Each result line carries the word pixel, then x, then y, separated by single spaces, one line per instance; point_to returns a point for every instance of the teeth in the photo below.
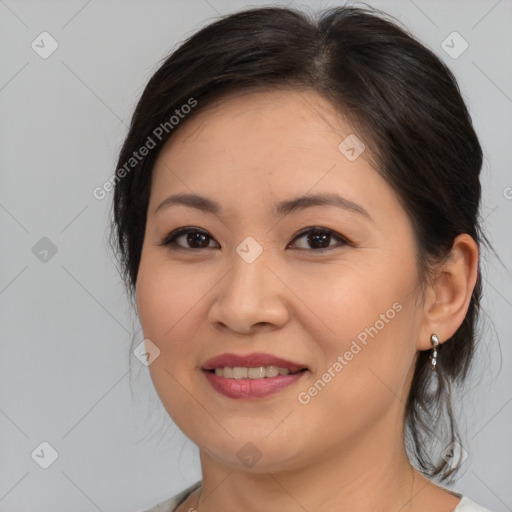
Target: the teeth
pixel 272 371
pixel 258 372
pixel 239 372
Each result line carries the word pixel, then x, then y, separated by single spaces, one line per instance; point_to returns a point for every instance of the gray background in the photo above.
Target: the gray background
pixel 65 325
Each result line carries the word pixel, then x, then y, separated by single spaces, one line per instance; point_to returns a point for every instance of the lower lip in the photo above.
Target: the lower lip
pixel 251 388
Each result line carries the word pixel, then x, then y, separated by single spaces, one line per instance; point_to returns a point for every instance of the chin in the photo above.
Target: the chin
pixel 253 454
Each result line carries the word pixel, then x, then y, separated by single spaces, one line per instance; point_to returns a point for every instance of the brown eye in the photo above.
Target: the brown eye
pixel 316 239
pixel 193 239
pixel 319 239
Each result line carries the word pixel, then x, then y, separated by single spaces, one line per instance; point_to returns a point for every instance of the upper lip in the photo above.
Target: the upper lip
pixel 250 361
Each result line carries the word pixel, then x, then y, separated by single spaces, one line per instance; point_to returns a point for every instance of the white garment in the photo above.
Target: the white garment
pixel 170 505
pixel 466 505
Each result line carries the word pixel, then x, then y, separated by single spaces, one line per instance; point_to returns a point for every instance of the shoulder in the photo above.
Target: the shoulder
pixel 170 504
pixel 467 505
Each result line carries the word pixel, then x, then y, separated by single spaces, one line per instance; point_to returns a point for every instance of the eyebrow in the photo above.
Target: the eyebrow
pixel 300 203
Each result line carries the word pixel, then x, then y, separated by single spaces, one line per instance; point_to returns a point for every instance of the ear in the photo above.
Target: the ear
pixel 448 297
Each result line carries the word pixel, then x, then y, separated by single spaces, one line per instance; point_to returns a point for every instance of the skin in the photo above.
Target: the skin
pixel 343 450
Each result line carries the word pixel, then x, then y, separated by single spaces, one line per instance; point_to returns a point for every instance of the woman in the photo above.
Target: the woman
pixel 297 216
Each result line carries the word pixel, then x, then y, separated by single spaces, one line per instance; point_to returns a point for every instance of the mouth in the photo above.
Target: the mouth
pixel 251 376
pixel 253 373
pixel 251 366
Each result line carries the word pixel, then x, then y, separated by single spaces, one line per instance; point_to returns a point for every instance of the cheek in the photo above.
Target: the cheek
pixel 348 300
pixel 370 321
pixel 165 294
pixel 167 303
pixel 172 307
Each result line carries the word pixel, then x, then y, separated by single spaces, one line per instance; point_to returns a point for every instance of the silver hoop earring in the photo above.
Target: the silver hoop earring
pixel 434 340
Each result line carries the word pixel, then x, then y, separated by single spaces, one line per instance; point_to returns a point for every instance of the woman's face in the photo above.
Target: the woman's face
pixel 251 277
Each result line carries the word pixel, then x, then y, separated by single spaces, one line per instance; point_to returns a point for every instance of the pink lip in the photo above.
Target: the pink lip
pixel 250 361
pixel 251 388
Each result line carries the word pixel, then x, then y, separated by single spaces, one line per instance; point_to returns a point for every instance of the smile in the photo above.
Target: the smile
pixel 257 372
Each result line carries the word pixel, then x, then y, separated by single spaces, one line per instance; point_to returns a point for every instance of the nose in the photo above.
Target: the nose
pixel 251 298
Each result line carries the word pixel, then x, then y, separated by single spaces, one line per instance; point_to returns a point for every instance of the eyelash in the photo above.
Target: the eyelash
pixel 170 240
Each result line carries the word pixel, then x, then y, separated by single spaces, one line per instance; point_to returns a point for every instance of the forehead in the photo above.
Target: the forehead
pixel 274 144
pixel 278 120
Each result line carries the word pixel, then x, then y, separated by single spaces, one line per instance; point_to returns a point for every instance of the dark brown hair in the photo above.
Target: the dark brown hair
pixel 402 101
